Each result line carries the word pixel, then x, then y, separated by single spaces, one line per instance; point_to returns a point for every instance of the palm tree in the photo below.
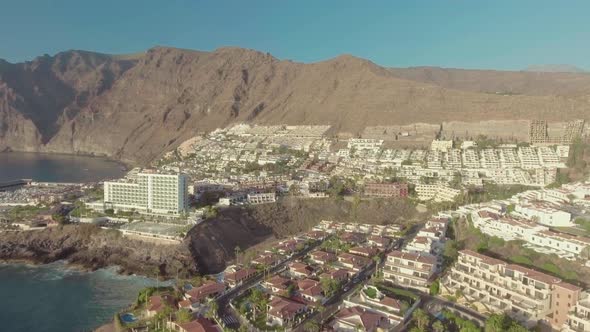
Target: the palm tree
pixel 421 318
pixel 213 309
pixel 438 326
pixel 311 326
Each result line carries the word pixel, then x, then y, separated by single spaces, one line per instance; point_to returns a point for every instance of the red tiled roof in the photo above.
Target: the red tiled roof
pixel 198 325
pixel 208 289
pixel 240 275
pixel 370 320
pixel 159 302
pixel 284 308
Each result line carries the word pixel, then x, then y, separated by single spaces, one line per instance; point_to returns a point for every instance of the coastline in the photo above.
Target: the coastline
pixel 110 292
pixel 89 248
pixel 126 165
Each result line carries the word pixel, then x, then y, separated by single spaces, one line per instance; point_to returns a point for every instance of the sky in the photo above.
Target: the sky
pixel 495 34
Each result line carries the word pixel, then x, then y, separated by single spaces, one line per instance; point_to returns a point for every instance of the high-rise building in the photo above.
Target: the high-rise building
pixel 148 192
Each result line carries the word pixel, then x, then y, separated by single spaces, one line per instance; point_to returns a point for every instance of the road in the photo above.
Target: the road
pixel 227 314
pixel 332 304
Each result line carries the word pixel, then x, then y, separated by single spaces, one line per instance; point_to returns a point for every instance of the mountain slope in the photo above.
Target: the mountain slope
pixel 135 108
pixel 532 82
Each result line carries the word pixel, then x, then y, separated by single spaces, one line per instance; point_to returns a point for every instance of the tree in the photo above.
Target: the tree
pixel 184 316
pixel 237 251
pixel 438 326
pixel 213 309
pixel 311 326
pixel 329 286
pixel 435 287
pixel 496 323
pixel 421 319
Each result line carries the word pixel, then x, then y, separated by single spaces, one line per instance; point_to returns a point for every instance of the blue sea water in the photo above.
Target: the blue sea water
pixel 45 167
pixel 55 298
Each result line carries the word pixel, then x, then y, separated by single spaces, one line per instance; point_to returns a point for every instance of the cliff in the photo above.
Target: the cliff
pixel 134 108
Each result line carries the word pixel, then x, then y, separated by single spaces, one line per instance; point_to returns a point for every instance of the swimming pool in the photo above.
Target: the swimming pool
pixel 128 318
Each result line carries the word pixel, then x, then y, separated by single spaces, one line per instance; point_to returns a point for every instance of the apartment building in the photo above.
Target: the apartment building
pixel 261 198
pixel 578 319
pixel 409 269
pixel 545 214
pixel 441 145
pixel 529 159
pixel 386 190
pixel 470 159
pixel 436 192
pixel 489 159
pixel 148 192
pixel 524 294
pixel 365 144
pixel 538 132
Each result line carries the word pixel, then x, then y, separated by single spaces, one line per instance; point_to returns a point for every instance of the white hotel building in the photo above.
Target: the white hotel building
pixel 149 193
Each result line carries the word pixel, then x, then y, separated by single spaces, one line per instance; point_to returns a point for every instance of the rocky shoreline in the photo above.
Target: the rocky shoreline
pixel 90 248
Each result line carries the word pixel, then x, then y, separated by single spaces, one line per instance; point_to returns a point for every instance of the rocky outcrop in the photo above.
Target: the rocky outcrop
pixel 213 242
pixel 135 108
pixel 93 248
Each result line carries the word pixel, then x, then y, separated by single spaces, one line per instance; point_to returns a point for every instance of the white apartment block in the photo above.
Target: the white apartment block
pixel 436 192
pixel 578 319
pixel 365 144
pixel 504 227
pixel 545 214
pixel 409 270
pixel 508 158
pixel 489 159
pixel 261 198
pixel 529 159
pixel 470 159
pixel 441 145
pixel 524 294
pixel 150 193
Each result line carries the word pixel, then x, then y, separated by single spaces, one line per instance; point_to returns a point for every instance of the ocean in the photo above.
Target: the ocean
pixel 53 297
pixel 57 167
pixel 56 298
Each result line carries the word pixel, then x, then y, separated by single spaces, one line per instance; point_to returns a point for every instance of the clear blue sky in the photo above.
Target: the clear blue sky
pixel 468 34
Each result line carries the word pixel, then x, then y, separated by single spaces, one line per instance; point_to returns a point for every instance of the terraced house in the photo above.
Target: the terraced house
pixel 409 269
pixel 524 294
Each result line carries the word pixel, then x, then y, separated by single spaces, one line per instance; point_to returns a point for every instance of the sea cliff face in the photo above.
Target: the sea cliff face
pixel 93 248
pixel 135 108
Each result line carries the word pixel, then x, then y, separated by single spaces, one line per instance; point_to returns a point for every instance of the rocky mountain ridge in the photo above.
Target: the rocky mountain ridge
pixel 134 108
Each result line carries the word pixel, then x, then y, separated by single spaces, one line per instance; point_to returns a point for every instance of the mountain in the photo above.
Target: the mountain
pixel 136 107
pixel 555 69
pixel 500 82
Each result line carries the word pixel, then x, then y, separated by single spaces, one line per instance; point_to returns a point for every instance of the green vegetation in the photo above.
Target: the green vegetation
pixel 396 292
pixel 491 191
pixel 435 287
pixel 502 323
pixel 184 316
pixel 483 142
pixel 420 320
pixel 330 286
pixel 334 244
pixel 371 292
pixel 145 294
pixel 584 223
pixel 25 212
pixel 456 323
pixel 523 260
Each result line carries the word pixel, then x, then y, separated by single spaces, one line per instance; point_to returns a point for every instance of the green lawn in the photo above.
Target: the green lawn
pixel 397 291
